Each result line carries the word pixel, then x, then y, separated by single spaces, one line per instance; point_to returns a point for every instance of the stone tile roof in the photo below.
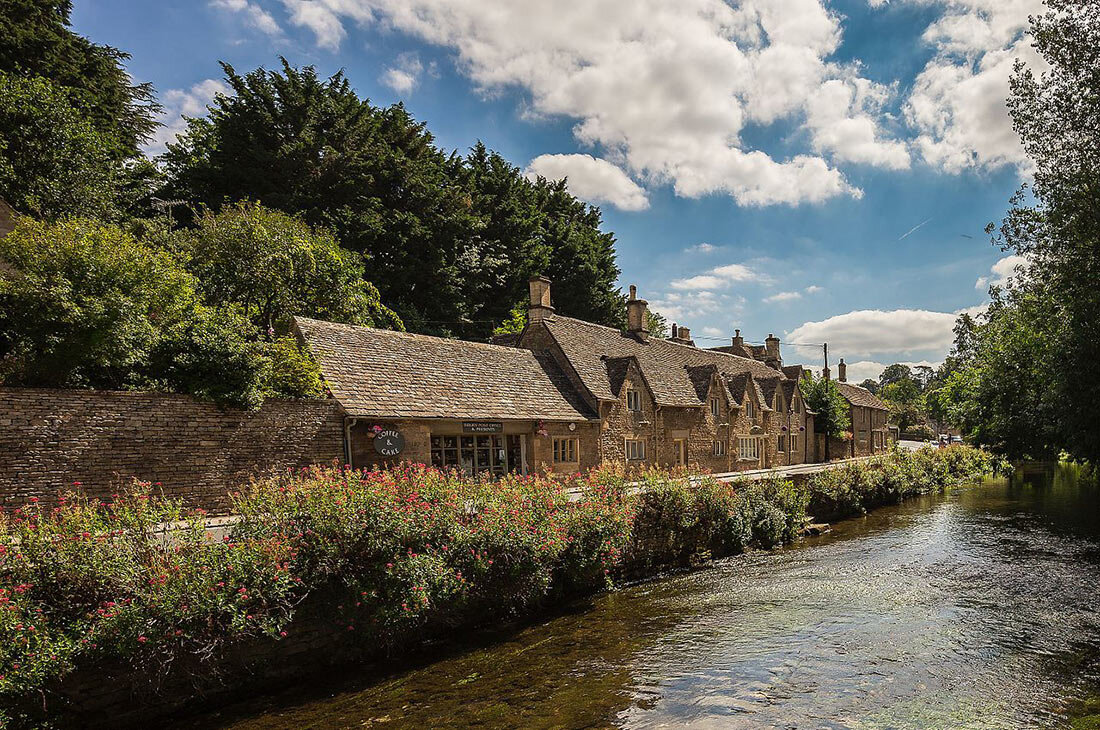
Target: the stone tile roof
pixel 665 365
pixel 858 396
pixel 382 373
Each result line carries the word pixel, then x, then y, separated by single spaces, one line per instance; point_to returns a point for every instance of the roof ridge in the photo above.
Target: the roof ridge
pixel 412 335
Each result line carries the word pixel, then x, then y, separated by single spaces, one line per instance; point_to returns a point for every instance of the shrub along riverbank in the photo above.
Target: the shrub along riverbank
pixel 396 556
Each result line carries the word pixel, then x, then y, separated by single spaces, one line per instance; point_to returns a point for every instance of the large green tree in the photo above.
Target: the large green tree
pixel 832 413
pixel 274 266
pixel 448 240
pixel 36 40
pixel 53 162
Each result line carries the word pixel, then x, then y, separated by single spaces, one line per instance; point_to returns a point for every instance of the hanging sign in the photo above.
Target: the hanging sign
pixel 482 426
pixel 389 442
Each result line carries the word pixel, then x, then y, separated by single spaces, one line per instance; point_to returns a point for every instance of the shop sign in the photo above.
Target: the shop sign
pixel 482 426
pixel 389 442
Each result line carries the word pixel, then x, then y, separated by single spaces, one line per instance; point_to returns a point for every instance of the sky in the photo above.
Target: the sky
pixel 818 169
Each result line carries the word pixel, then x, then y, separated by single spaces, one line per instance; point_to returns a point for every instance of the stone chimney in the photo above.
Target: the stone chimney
pixel 738 340
pixel 771 351
pixel 540 299
pixel 682 335
pixel 842 371
pixel 636 310
pixel 674 330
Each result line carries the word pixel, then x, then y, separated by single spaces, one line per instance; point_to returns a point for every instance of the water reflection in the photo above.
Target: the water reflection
pixel 976 609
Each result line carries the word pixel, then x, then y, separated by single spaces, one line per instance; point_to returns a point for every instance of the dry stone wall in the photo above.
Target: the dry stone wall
pixel 51 439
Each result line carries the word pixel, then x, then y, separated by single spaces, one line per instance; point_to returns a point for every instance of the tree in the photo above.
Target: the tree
pixel 833 416
pixel 894 373
pixel 1055 223
pixel 52 161
pixel 870 385
pixel 273 266
pixel 656 324
pixel 449 241
pixel 36 40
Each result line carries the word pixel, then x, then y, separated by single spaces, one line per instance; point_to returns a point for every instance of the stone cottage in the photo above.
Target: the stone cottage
pixel 871 433
pixel 562 395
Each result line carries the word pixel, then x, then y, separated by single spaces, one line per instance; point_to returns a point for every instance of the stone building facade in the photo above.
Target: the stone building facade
pixel 871 433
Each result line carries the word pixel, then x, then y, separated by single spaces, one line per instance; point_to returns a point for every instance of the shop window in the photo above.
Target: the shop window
pixel 565 451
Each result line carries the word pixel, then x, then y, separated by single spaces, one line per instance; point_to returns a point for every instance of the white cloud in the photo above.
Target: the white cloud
pixel 255 15
pixel 1001 273
pixel 179 103
pixel 866 332
pixel 957 104
pixel 405 75
pixel 591 179
pixel 717 278
pixel 712 332
pixel 857 372
pixel 814 289
pixel 661 89
pixel 701 248
pixel 783 296
pixel 684 308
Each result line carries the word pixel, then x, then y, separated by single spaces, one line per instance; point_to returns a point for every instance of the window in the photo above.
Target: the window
pixel 633 400
pixel 748 408
pixel 782 444
pixel 748 448
pixel 635 449
pixel 474 454
pixel 719 448
pixel 863 435
pixel 565 451
pixel 715 407
pixel 794 443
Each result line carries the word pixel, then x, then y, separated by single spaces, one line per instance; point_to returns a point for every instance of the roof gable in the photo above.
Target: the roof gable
pixel 858 396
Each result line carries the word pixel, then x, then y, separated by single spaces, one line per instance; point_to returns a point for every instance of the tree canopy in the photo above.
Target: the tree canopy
pixel 832 412
pixel 449 241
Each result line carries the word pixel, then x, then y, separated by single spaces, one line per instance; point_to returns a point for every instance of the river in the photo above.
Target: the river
pixel 975 609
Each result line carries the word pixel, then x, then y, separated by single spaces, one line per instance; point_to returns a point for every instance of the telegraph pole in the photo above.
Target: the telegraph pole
pixel 826 349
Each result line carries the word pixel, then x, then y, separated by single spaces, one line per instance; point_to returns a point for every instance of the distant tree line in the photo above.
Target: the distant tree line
pixel 290 196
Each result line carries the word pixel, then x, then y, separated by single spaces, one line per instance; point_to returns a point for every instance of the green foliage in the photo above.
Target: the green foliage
pixel 274 266
pixel 52 160
pixel 449 241
pixel 292 372
pixel 84 304
pixel 833 414
pixel 516 321
pixel 36 40
pixel 656 324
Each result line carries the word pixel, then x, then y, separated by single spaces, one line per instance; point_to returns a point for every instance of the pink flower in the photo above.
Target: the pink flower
pixel 142 639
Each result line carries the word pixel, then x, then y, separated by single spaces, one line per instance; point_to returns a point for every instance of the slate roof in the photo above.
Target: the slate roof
pixel 858 396
pixel 667 366
pixel 382 373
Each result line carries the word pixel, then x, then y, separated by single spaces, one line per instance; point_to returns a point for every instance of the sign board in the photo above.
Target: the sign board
pixel 389 442
pixel 482 426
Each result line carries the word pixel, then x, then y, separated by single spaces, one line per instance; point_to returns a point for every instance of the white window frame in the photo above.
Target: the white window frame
pixel 794 442
pixel 748 448
pixel 566 450
pixel 633 400
pixel 634 449
pixel 719 448
pixel 748 408
pixel 715 407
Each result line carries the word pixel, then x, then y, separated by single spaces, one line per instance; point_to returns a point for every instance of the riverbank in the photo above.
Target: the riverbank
pixel 326 566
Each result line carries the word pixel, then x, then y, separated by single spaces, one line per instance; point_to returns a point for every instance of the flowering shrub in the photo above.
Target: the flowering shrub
pixel 395 554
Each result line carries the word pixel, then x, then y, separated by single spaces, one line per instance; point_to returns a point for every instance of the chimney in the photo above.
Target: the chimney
pixel 738 340
pixel 771 350
pixel 683 336
pixel 636 310
pixel 540 299
pixel 673 331
pixel 842 371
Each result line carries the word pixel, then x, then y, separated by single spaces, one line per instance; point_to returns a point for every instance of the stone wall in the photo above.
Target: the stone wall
pixel 50 439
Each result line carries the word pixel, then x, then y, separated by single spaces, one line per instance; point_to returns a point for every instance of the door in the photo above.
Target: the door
pixel 681 448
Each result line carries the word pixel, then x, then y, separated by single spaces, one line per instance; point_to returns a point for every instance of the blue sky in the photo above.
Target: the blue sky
pixel 820 169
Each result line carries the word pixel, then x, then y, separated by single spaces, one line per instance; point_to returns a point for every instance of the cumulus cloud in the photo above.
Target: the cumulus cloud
pixel 783 296
pixel 663 89
pixel 681 307
pixel 866 332
pixel 405 75
pixel 857 372
pixel 814 289
pixel 719 277
pixel 957 104
pixel 255 15
pixel 1001 273
pixel 181 103
pixel 591 179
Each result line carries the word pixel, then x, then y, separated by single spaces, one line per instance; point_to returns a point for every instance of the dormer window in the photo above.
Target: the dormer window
pixel 633 400
pixel 749 408
pixel 715 407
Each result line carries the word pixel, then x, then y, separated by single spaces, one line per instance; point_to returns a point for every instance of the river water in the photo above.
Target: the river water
pixel 975 609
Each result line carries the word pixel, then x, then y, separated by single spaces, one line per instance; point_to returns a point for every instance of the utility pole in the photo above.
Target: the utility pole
pixel 825 346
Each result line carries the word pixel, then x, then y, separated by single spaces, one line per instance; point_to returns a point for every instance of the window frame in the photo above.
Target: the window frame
pixel 634 449
pixel 749 408
pixel 718 448
pixel 716 407
pixel 633 400
pixel 753 454
pixel 566 446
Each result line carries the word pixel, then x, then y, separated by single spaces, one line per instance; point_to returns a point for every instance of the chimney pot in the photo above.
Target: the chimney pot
pixel 674 330
pixel 771 350
pixel 842 371
pixel 540 299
